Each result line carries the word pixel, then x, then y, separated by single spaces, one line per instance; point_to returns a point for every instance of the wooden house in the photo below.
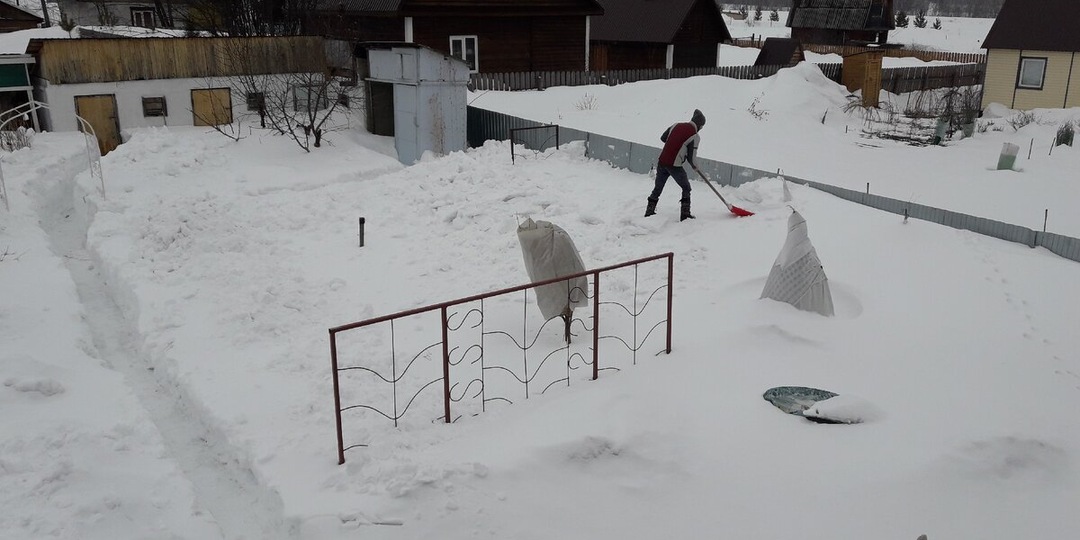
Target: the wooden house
pixel 489 35
pixel 646 34
pixel 14 18
pixel 142 13
pixel 1033 55
pixel 116 84
pixel 841 22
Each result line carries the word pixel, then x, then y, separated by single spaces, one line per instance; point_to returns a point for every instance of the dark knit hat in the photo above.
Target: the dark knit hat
pixel 698 118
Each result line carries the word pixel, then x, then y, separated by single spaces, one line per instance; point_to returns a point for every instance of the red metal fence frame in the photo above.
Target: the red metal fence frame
pixel 442 307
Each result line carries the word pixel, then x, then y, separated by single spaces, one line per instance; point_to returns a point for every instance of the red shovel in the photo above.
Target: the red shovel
pixel 732 208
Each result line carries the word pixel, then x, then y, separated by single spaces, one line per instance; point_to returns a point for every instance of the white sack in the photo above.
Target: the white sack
pixel 549 253
pixel 797 277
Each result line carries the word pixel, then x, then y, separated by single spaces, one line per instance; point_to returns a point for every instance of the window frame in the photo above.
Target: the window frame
pixel 313 91
pixel 256 101
pixel 163 112
pixel 1020 72
pixel 141 12
pixel 464 39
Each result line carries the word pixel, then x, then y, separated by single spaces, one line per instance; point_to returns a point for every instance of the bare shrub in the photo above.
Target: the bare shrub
pixel 757 113
pixel 16 139
pixel 1065 135
pixel 586 103
pixel 1021 119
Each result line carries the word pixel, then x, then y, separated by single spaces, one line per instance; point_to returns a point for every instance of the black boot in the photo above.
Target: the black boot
pixel 650 210
pixel 685 213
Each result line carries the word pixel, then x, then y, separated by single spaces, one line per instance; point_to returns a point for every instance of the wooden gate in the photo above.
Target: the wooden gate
pixel 100 112
pixel 211 106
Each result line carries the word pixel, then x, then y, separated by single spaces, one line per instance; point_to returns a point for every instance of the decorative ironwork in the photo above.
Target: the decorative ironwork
pixel 492 360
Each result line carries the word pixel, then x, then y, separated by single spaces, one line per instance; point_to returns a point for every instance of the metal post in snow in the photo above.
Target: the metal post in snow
pixel 361 231
pixel 1046 216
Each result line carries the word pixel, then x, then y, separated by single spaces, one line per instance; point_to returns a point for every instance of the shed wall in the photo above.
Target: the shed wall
pixel 1000 82
pixel 73 61
pixel 177 94
pixel 1061 86
pixel 1052 95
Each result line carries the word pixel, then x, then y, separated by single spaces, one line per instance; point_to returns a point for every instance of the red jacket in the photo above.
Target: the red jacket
pixel 680 140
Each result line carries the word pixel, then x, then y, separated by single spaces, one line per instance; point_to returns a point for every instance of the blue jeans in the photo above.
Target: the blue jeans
pixel 662 174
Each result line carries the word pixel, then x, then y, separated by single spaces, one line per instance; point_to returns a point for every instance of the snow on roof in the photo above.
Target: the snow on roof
pixel 15 42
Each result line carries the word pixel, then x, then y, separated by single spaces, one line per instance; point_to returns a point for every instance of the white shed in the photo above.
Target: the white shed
pixel 417 95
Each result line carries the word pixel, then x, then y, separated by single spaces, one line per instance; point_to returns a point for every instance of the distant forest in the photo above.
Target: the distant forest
pixel 986 9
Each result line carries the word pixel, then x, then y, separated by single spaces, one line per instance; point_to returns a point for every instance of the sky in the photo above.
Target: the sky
pixel 165 369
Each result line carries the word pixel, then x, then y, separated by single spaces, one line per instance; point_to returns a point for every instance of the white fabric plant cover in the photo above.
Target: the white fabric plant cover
pixel 549 253
pixel 797 277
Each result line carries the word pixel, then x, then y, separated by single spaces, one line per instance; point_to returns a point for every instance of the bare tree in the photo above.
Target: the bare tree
pixel 253 17
pixel 302 106
pixel 165 15
pixel 106 17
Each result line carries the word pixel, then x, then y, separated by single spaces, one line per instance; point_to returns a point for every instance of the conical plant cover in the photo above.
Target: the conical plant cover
pixel 797 277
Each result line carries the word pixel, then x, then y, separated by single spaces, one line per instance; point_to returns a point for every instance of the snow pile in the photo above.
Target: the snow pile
pixel 183 352
pixel 843 409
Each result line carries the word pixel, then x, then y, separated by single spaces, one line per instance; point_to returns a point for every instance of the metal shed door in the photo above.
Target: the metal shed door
pixel 100 112
pixel 211 106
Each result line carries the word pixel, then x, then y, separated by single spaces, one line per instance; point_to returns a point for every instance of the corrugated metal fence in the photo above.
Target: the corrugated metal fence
pixel 485 125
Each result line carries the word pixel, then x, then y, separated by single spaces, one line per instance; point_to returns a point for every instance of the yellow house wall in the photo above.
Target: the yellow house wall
pixel 1001 66
pixel 1062 80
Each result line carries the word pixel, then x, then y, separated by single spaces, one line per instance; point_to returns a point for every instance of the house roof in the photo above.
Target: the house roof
pixel 9 12
pixel 1041 25
pixel 471 7
pixel 777 52
pixel 840 15
pixel 652 21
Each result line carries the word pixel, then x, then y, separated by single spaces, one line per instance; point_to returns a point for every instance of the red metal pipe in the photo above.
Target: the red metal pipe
pixel 446 365
pixel 670 296
pixel 337 398
pixel 596 327
pixel 476 297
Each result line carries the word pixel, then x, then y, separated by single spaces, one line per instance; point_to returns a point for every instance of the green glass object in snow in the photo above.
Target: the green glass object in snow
pixel 795 399
pixel 1008 156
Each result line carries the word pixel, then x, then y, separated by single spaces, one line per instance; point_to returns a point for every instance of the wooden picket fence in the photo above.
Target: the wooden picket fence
pixel 925 56
pixel 895 80
pixel 539 80
pixel 914 79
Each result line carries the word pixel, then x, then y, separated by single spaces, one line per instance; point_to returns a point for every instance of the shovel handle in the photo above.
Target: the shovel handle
pixel 709 183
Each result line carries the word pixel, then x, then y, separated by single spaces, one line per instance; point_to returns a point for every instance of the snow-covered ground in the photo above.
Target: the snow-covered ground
pixel 777 124
pixel 164 361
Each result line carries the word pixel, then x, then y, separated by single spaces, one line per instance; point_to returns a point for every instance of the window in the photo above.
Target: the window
pixel 256 101
pixel 310 98
pixel 464 47
pixel 1032 73
pixel 142 17
pixel 154 106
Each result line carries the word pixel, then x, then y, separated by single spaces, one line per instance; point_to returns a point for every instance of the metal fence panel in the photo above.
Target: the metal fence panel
pixel 640 158
pixel 610 149
pixel 643 158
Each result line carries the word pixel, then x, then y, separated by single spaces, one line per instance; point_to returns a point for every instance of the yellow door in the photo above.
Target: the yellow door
pixel 100 113
pixel 211 106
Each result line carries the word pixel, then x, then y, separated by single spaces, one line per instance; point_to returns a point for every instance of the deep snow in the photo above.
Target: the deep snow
pixel 165 365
